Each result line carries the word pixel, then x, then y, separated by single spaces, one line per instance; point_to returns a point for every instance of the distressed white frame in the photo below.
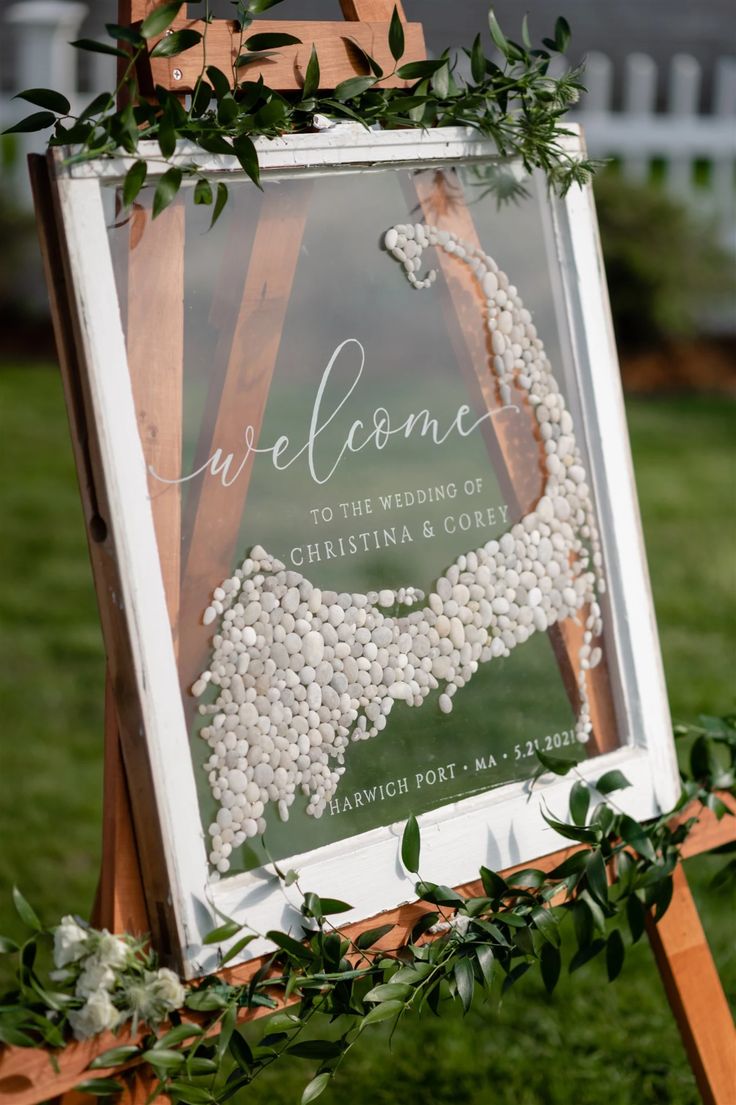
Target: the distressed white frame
pixel 497 828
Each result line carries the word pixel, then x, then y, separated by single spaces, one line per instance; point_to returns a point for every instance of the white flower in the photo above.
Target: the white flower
pixel 95 976
pixel 169 989
pixel 97 1014
pixel 159 993
pixel 141 1001
pixel 70 942
pixel 460 923
pixel 112 951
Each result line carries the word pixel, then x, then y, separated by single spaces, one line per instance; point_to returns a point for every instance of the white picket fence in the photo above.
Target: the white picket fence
pixel 698 149
pixel 682 135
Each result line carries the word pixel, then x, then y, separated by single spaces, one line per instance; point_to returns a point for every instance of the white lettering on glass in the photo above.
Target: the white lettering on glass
pixel 378 433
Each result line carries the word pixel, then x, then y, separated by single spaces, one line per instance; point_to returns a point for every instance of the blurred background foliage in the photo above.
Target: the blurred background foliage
pixel 667 269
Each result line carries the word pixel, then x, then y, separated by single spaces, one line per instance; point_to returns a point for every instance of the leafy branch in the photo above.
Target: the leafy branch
pixel 619 873
pixel 509 98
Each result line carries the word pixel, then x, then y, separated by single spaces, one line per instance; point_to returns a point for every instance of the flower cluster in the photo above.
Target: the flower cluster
pixel 114 977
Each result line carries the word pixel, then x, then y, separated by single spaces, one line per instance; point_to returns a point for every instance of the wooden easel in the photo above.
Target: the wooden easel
pixel 155 270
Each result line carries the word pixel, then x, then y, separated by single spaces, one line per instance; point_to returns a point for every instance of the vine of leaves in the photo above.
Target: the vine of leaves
pixel 516 103
pixel 619 874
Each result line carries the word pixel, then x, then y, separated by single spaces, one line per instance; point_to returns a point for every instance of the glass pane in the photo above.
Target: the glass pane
pixel 386 535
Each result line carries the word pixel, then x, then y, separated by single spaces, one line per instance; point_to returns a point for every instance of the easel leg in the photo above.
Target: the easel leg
pixel 696 995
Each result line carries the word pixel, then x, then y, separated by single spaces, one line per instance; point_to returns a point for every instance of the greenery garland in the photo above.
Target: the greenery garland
pixel 516 104
pixel 621 871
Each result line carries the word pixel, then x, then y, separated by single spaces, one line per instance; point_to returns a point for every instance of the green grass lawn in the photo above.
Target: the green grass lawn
pixel 590 1041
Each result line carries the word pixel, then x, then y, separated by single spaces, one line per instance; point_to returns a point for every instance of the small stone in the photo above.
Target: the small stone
pixel 313 648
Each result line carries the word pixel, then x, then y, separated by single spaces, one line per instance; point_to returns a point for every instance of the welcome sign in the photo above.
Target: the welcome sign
pixel 396 543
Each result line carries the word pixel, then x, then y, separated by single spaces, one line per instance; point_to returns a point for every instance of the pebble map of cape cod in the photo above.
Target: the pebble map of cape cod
pixel 301 672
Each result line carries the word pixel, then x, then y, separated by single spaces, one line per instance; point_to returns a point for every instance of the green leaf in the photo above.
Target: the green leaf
pixel 486 962
pixel 545 920
pixel 371 936
pixel 572 832
pixel 114 1057
pixel 417 70
pixel 39 120
pixel 615 952
pixel 8 946
pixel 579 802
pixel 223 932
pixel 103 1087
pixel 498 36
pixel 636 835
pixel 382 1012
pixel 255 7
pixel 352 87
pixel 477 60
pixel 166 190
pixel 560 765
pixel 493 884
pixel 363 58
pixel 414 973
pixel 290 945
pixel 205 1000
pixel 177 43
pixel 595 874
pixel 425 922
pixel 100 103
pixel 389 991
pixel 438 894
pixel 562 34
pixel 514 975
pixel 203 196
pixel 441 82
pixel 14 1036
pixel 238 946
pixel 270 41
pixel 166 137
pixel 47 98
pixel 311 77
pixel 240 1050
pixel 411 845
pixel 93 47
pixel 26 913
pixel 603 817
pixel 160 18
pixel 219 81
pixel 125 34
pixel 465 982
pixel 178 1034
pixel 396 35
pixel 134 181
pixel 316 1049
pixel 189 1094
pixel 584 955
pixel 164 1057
pixel 272 115
pixel 528 876
pixel 314 1088
pixel 550 962
pixel 221 197
pixel 660 897
pixel 312 905
pixel 611 781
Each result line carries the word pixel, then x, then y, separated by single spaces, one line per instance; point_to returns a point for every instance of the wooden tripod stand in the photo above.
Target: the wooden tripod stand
pixel 155 328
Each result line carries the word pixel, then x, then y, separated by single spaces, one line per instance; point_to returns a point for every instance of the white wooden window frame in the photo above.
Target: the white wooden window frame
pixel 497 828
